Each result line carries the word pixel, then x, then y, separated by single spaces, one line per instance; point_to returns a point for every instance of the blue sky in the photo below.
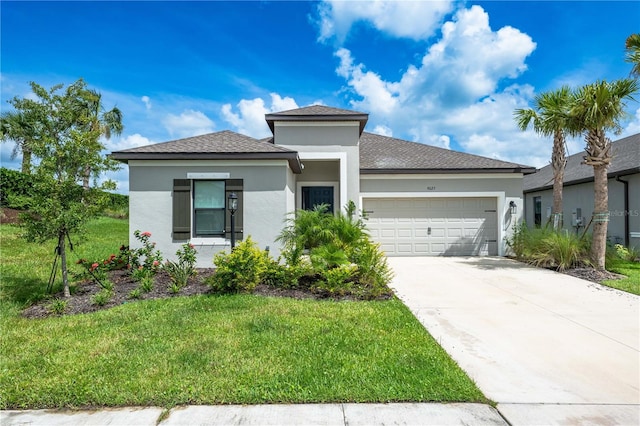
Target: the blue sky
pixel 446 73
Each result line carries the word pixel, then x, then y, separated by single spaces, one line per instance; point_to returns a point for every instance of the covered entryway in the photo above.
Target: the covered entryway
pixel 434 226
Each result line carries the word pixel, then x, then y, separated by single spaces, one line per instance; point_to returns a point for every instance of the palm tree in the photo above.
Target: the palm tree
pixel 596 108
pixel 19 128
pixel 99 122
pixel 550 118
pixel 632 46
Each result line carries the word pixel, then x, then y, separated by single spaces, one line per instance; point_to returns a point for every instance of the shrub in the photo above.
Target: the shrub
pixel 102 297
pixel 630 254
pixel 16 189
pixel 146 256
pixel 136 293
pixel 548 248
pixel 178 273
pixel 334 242
pixel 146 284
pixel 57 306
pixel 286 275
pixel 374 273
pixel 336 281
pixel 98 271
pixel 239 271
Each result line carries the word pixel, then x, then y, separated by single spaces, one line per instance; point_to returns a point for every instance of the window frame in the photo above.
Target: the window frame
pixel 537 211
pixel 194 209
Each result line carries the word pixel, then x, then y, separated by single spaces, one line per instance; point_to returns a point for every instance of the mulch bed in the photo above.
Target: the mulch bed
pixel 593 275
pixel 81 301
pixel 9 215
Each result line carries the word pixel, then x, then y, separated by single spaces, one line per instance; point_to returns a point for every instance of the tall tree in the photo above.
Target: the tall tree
pixel 549 117
pixel 101 122
pixel 18 127
pixel 632 46
pixel 598 108
pixel 65 145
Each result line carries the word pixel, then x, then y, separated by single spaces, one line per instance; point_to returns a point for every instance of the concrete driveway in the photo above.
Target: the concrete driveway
pixel 547 347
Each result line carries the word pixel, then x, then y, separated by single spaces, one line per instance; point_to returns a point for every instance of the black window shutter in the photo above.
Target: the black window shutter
pixel 181 209
pixel 235 185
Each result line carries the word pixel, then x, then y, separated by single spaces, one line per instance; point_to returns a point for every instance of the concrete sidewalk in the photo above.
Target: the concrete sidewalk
pixel 302 414
pixel 547 347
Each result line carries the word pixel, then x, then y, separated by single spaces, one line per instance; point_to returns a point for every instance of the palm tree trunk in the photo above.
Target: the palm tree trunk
pixel 26 160
pixel 85 178
pixel 599 156
pixel 601 216
pixel 558 164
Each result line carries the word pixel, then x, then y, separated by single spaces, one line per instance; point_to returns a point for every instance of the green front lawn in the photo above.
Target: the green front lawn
pixel 630 284
pixel 209 349
pixel 240 349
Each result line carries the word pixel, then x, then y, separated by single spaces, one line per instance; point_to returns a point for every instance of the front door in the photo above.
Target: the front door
pixel 316 195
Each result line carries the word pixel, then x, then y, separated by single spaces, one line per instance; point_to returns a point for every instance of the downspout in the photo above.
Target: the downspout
pixel 626 210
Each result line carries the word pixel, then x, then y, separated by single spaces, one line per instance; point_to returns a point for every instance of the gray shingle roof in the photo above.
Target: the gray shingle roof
pixel 626 160
pixel 382 154
pixel 317 113
pixel 212 146
pixel 225 141
pixel 316 110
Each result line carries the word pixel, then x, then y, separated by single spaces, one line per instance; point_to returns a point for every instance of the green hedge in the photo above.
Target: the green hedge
pixel 17 188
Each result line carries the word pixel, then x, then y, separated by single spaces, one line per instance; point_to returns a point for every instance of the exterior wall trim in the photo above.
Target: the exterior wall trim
pixel 439 176
pixel 208 163
pixel 332 184
pixel 342 159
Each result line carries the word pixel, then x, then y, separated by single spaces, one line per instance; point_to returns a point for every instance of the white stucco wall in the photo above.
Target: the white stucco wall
pixel 336 142
pixel 267 199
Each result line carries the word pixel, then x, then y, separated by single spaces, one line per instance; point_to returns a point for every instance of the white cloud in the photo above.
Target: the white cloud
pixel 455 93
pixel 146 101
pixel 249 119
pixel 130 141
pixel 188 123
pixel 383 130
pixel 633 126
pixel 409 19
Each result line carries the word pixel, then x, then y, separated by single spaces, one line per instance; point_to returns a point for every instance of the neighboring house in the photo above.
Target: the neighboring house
pixel 577 200
pixel 419 199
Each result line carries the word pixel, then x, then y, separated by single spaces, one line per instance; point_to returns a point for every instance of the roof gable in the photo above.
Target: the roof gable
pixel 383 154
pixel 626 160
pixel 317 113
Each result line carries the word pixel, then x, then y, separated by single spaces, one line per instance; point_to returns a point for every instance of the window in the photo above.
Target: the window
pixel 208 208
pixel 200 209
pixel 537 211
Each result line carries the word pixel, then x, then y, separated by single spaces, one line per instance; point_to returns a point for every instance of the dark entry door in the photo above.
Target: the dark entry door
pixel 316 195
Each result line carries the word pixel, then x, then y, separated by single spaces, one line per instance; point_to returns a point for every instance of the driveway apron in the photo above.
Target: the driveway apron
pixel 547 347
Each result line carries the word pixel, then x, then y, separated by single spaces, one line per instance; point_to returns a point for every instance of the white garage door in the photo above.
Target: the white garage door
pixel 433 226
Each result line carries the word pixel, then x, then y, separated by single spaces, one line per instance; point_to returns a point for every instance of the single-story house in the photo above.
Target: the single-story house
pixel 419 199
pixel 577 198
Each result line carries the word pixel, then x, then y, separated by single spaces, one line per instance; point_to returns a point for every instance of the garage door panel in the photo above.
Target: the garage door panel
pixel 434 226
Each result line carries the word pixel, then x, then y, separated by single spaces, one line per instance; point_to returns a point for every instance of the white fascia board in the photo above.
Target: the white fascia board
pixel 408 176
pixel 317 124
pixel 208 163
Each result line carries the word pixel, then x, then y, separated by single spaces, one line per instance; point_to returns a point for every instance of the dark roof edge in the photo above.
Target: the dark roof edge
pixel 291 157
pixel 611 175
pixel 523 170
pixel 362 118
